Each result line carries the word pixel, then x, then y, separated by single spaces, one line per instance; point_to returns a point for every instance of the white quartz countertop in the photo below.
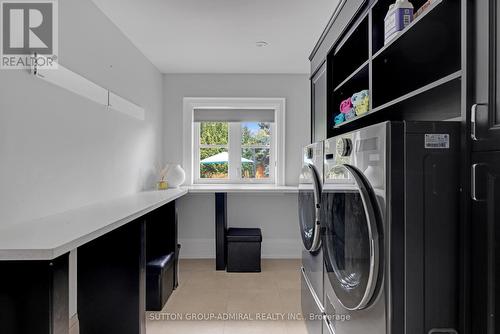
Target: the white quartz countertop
pixel 49 237
pixel 242 188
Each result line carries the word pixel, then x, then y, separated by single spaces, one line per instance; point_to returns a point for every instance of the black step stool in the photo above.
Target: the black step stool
pixel 160 281
pixel 243 249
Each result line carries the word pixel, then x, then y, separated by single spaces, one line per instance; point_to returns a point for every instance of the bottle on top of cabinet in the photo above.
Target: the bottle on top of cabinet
pixel 399 16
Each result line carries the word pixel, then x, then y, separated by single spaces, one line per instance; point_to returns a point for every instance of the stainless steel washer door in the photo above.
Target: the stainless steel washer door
pixel 351 239
pixel 309 206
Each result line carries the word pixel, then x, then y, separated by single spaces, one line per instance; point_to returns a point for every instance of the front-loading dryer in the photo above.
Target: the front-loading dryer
pixel 389 207
pixel 310 230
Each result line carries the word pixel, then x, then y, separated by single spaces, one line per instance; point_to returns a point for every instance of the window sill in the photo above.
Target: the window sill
pixel 241 188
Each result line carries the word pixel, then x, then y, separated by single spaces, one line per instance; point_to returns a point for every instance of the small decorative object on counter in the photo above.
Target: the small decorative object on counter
pixel 423 8
pixel 162 185
pixel 399 16
pixel 175 175
pixel 351 114
pixel 361 102
pixel 345 106
pixel 339 119
pixel 162 174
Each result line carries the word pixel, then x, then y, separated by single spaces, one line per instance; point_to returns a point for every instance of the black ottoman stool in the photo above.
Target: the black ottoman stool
pixel 243 249
pixel 159 281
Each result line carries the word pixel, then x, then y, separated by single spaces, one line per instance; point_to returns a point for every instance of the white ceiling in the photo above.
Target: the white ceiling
pixel 218 36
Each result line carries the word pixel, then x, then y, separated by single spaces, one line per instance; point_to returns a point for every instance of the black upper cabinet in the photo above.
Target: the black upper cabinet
pixel 321 114
pixel 339 21
pixel 428 51
pixel 485 112
pixel 350 53
pixel 318 105
pixel 485 242
pixel 415 76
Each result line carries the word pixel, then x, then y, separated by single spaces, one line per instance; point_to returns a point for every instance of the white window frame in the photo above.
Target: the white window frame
pixel 191 137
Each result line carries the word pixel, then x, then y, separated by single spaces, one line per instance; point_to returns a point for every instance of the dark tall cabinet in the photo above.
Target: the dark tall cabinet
pixel 318 105
pixel 485 236
pixel 444 66
pixel 485 169
pixel 485 112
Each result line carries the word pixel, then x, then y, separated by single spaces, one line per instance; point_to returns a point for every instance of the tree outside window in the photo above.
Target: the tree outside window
pixel 255 147
pixel 219 148
pixel 214 139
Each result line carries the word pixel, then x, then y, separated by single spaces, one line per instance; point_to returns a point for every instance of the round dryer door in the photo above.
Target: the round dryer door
pixel 351 239
pixel 309 198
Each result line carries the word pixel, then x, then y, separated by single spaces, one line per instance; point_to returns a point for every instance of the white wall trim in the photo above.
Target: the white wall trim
pixel 191 103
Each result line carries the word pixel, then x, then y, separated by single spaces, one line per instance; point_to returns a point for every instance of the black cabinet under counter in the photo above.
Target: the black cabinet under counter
pixel 111 282
pixel 162 256
pixel 112 273
pixel 110 239
pixel 34 296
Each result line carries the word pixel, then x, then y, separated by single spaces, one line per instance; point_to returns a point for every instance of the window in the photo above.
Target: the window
pixel 214 150
pixel 234 140
pixel 234 152
pixel 256 142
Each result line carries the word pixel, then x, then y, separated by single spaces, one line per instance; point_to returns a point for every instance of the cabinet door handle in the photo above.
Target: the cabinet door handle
pixel 443 331
pixel 473 116
pixel 473 186
pixel 473 179
pixel 473 112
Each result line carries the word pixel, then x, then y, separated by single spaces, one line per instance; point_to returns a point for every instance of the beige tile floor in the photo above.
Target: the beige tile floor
pixel 202 290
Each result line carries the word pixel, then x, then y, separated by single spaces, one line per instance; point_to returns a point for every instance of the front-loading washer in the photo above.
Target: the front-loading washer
pixel 309 205
pixel 389 207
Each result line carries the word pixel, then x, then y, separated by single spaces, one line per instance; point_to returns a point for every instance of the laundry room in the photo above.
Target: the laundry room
pixel 265 166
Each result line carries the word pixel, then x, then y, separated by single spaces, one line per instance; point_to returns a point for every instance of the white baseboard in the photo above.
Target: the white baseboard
pixel 271 248
pixel 197 248
pixel 281 249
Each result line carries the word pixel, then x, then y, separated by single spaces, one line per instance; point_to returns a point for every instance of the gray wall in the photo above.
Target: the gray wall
pixel 59 150
pixel 275 214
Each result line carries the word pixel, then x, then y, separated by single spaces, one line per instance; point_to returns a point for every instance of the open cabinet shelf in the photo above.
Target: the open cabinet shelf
pixel 423 61
pixel 427 15
pixel 360 71
pixel 411 98
pixel 357 82
pixel 425 52
pixel 351 53
pixel 420 90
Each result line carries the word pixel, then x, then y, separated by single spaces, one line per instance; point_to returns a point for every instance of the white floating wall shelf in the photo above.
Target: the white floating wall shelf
pixel 77 84
pixel 118 103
